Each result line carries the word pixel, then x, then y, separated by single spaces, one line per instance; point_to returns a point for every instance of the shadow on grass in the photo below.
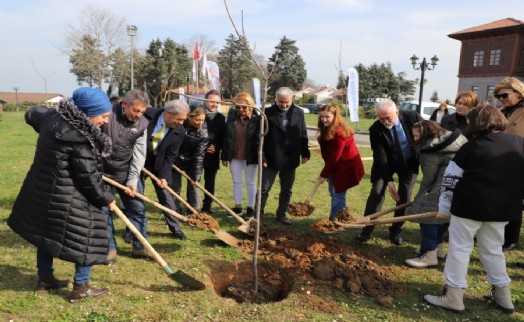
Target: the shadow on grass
pixel 17 278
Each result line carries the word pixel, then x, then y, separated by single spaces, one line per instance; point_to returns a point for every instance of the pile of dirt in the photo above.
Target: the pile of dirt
pixel 324 226
pixel 300 209
pixel 345 216
pixel 328 260
pixel 253 228
pixel 202 220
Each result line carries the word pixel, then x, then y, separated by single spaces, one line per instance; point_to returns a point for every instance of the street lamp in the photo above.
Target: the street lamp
pixel 131 32
pixel 423 67
pixel 16 88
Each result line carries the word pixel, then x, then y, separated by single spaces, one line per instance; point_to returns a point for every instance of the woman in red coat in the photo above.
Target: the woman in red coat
pixel 343 166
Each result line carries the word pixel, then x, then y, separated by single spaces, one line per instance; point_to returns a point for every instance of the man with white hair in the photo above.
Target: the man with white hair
pixel 390 138
pixel 285 148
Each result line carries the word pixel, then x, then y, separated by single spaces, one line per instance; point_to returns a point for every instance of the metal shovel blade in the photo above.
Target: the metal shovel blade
pixel 187 280
pixel 225 237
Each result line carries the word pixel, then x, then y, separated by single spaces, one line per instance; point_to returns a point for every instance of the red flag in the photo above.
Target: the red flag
pixel 196 55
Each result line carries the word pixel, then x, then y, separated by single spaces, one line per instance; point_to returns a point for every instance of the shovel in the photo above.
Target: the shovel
pixel 146 199
pixel 178 276
pixel 389 220
pixel 295 208
pixel 244 225
pixel 220 234
pixel 366 219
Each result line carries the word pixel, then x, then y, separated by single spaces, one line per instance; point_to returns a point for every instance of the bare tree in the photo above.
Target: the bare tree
pixel 265 76
pixel 108 31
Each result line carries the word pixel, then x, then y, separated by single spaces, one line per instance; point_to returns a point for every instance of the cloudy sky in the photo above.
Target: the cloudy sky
pixel 371 31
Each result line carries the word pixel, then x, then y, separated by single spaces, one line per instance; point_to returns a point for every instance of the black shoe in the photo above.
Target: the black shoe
pixel 237 211
pixel 362 237
pixel 179 235
pixel 519 264
pixel 396 238
pixel 250 213
pixel 141 253
pixel 509 246
pixel 49 282
pixel 208 210
pixel 281 218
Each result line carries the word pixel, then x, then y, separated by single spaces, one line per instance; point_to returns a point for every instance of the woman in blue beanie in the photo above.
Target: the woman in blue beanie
pixel 59 205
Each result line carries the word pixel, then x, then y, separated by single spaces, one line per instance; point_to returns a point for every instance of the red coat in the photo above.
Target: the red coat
pixel 342 162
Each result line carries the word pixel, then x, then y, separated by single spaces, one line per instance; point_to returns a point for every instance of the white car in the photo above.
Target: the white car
pixel 427 108
pixel 305 110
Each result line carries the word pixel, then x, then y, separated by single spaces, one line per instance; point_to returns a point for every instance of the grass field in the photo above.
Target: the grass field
pixel 141 291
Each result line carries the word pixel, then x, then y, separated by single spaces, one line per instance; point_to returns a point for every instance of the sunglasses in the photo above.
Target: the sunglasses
pixel 502 96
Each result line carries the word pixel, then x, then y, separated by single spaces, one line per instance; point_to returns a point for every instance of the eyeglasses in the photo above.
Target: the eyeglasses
pixel 502 96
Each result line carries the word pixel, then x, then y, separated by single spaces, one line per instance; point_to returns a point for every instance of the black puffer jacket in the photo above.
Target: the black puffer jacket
pixel 59 205
pixel 192 151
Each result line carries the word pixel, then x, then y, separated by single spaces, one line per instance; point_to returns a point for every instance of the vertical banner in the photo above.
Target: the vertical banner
pixel 352 94
pixel 256 91
pixel 181 93
pixel 214 74
pixel 196 58
pixel 204 69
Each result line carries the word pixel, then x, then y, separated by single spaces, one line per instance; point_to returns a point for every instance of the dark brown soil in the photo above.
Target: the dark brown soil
pixel 309 257
pixel 202 220
pixel 300 209
pixel 345 216
pixel 324 225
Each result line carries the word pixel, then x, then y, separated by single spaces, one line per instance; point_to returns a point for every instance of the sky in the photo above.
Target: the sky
pixel 359 31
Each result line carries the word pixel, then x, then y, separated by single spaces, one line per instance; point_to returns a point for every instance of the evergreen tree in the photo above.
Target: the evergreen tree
pixel 434 96
pixel 236 70
pixel 86 59
pixel 287 66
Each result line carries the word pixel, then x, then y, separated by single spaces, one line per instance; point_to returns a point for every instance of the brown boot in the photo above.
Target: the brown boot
pixel 49 282
pixel 281 217
pixel 81 291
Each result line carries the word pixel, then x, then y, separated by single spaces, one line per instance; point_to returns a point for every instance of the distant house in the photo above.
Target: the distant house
pixel 489 53
pixel 323 94
pixel 302 92
pixel 49 99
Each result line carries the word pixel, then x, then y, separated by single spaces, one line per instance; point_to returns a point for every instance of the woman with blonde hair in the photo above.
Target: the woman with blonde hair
pixel 464 102
pixel 439 113
pixel 510 93
pixel 343 166
pixel 240 150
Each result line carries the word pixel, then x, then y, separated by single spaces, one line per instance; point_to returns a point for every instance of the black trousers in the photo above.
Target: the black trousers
pixel 376 199
pixel 512 232
pixel 210 174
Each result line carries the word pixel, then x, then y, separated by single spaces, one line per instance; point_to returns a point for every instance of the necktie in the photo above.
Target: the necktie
pixel 398 147
pixel 155 140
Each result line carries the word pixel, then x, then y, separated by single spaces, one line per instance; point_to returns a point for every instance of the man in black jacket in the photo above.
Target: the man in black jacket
pixel 165 134
pixel 216 126
pixel 285 148
pixel 390 138
pixel 127 130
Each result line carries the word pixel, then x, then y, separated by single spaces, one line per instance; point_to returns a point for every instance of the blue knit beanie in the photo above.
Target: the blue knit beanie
pixel 91 101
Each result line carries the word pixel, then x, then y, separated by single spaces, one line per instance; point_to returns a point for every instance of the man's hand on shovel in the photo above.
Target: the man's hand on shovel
pixel 393 191
pixel 131 190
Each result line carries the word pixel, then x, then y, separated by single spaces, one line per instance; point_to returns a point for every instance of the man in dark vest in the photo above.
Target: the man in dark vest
pixel 127 130
pixel 216 126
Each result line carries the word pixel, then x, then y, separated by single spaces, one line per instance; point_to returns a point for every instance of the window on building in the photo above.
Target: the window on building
pixel 478 58
pixel 475 89
pixel 494 57
pixel 489 95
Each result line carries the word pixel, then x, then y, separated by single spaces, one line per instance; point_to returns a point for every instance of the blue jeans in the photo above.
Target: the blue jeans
pixel 338 199
pixel 44 263
pixel 431 236
pixel 135 211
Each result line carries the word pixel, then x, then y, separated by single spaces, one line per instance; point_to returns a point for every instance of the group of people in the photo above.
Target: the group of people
pixel 472 177
pixel 463 161
pixel 64 206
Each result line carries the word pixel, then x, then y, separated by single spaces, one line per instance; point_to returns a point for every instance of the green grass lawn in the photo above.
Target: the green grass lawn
pixel 141 291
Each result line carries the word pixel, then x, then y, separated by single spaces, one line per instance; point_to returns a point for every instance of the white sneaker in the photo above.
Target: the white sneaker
pixel 427 259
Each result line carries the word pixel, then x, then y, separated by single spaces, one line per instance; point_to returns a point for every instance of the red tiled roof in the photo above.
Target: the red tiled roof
pixel 502 23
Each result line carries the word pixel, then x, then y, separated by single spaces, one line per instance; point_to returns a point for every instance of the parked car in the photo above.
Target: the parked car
pixel 427 108
pixel 313 108
pixel 304 109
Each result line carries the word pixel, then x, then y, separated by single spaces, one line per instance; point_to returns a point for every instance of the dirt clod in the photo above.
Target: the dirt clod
pixel 324 225
pixel 202 220
pixel 344 215
pixel 300 209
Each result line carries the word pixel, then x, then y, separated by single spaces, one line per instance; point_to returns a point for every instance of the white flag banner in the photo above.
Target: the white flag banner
pixel 204 63
pixel 352 94
pixel 181 93
pixel 214 74
pixel 256 90
pixel 194 71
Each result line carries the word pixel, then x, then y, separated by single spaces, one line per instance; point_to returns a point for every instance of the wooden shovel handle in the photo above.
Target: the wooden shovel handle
pixel 142 240
pixel 315 188
pixel 171 191
pixel 146 199
pixel 231 212
pixel 403 218
pixel 386 211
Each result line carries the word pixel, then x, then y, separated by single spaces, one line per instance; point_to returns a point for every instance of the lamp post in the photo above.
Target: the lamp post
pixel 131 32
pixel 16 88
pixel 423 66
